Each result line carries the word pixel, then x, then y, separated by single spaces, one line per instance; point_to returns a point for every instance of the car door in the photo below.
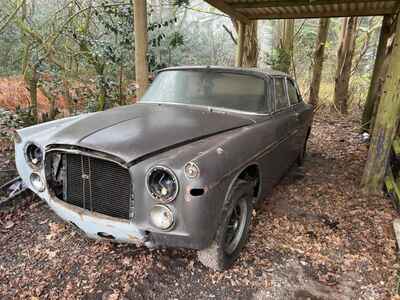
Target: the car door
pixel 283 119
pixel 299 111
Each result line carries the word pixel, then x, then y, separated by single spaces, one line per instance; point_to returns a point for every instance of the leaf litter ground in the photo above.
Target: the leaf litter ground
pixel 315 237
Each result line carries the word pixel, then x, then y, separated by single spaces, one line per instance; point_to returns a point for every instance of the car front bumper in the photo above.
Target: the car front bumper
pixel 98 226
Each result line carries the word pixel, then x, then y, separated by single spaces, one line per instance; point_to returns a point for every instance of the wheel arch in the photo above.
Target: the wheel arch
pixel 251 171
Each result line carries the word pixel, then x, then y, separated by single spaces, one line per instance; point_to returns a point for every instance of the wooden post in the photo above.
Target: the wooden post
pixel 386 123
pixel 376 74
pixel 240 44
pixel 141 67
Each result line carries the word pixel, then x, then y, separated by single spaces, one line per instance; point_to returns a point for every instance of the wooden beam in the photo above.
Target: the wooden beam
pixel 141 66
pixel 313 15
pixel 222 6
pixel 240 45
pixel 297 3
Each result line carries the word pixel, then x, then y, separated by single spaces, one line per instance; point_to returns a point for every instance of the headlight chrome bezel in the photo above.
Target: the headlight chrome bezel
pixel 163 208
pixel 28 155
pixel 174 178
pixel 43 184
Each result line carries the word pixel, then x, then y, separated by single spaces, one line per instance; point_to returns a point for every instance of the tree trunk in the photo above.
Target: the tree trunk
pixel 249 50
pixel 287 38
pixel 318 61
pixel 386 124
pixel 121 92
pixel 285 48
pixel 378 72
pixel 140 28
pixel 240 44
pixel 102 103
pixel 250 46
pixel 31 78
pixel 378 95
pixel 345 56
pixel 52 113
pixel 67 96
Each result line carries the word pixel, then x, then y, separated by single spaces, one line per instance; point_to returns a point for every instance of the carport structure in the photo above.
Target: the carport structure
pixel 388 54
pixel 248 10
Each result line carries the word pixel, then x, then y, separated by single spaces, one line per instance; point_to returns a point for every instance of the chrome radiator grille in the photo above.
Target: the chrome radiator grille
pixel 98 185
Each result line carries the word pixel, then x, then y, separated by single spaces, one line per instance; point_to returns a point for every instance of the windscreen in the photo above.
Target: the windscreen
pixel 210 88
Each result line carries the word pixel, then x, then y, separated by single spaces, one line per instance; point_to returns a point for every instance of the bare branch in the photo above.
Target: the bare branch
pixel 230 34
pixel 11 17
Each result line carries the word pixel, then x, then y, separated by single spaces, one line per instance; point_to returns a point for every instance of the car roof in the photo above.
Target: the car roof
pixel 250 71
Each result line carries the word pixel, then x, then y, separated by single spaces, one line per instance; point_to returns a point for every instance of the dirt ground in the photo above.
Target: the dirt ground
pixel 315 237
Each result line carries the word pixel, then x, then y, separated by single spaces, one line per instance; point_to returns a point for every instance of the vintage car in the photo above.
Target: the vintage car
pixel 184 167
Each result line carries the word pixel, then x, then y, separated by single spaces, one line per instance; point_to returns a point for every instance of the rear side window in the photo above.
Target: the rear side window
pixel 281 100
pixel 292 91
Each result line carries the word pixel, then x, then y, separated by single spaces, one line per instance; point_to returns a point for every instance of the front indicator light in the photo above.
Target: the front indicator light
pixel 162 217
pixel 192 170
pixel 37 182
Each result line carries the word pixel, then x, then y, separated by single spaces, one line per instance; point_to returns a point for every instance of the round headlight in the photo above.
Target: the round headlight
pixel 37 182
pixel 34 154
pixel 162 217
pixel 162 184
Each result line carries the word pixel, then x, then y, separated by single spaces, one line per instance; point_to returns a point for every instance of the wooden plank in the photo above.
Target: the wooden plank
pixel 222 6
pixel 297 3
pixel 322 14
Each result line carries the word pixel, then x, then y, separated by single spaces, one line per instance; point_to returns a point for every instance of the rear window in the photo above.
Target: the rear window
pixel 281 100
pixel 210 88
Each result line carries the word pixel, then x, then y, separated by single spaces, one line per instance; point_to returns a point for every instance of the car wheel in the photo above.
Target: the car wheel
pixel 233 231
pixel 302 154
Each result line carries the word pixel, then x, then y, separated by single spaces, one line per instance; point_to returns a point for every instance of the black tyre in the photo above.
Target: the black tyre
pixel 302 154
pixel 233 231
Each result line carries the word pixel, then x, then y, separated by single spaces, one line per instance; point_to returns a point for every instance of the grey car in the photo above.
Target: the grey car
pixel 184 167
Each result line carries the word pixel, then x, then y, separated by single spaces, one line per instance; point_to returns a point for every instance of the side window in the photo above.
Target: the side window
pixel 292 91
pixel 281 100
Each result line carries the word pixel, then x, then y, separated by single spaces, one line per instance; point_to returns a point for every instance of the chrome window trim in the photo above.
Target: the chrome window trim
pixel 297 91
pixel 211 108
pixel 287 95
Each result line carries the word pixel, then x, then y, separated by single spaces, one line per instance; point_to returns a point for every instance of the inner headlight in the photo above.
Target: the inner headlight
pixel 34 154
pixel 162 184
pixel 162 217
pixel 37 182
